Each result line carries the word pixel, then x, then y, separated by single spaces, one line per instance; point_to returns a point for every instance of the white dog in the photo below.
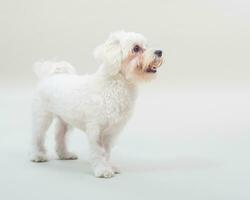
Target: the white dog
pixel 99 104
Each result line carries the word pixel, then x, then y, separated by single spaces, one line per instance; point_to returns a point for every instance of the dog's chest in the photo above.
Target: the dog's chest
pixel 119 100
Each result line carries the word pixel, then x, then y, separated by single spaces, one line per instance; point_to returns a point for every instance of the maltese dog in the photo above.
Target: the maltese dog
pixel 98 104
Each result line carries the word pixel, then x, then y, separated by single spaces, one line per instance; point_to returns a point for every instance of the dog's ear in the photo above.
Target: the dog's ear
pixel 110 53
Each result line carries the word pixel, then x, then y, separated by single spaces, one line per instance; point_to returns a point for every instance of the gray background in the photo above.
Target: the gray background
pixel 189 136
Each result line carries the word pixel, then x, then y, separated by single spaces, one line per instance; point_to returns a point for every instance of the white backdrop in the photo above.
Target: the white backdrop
pixel 205 41
pixel 189 137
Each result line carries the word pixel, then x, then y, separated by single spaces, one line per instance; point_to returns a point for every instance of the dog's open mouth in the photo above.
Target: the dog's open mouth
pixel 151 69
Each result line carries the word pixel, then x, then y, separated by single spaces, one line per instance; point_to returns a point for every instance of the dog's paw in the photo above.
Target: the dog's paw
pixel 39 157
pixel 68 156
pixel 103 171
pixel 116 170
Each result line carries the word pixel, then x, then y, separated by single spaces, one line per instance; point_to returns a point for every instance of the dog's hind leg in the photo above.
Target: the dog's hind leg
pixel 40 124
pixel 62 129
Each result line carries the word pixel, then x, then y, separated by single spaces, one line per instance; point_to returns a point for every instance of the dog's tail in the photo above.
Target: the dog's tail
pixel 49 68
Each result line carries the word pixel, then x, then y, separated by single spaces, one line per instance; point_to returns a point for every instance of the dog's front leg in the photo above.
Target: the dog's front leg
pixel 108 138
pixel 98 154
pixel 108 143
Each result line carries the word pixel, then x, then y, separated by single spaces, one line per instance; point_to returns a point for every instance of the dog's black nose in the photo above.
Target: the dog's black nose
pixel 158 53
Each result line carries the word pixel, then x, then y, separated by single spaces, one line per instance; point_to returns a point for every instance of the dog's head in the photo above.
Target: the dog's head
pixel 128 53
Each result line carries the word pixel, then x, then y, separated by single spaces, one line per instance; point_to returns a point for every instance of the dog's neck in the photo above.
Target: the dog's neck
pixel 104 73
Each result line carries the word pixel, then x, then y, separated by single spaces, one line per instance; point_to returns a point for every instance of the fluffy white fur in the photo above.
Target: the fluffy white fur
pixel 99 104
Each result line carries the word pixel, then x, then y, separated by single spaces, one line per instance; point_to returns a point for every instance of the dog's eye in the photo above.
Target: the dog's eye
pixel 136 48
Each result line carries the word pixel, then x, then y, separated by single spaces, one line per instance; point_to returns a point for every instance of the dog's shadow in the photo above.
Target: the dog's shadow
pixel 72 166
pixel 176 164
pixel 164 165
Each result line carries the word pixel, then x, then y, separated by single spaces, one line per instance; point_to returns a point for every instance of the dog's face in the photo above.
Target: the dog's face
pixel 128 53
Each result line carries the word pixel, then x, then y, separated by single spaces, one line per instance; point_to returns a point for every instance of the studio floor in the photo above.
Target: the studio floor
pixel 191 143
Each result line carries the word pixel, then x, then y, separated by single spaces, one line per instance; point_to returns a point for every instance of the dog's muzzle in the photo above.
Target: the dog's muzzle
pixel 151 69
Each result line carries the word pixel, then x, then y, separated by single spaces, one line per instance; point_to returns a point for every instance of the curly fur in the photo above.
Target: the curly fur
pixel 99 104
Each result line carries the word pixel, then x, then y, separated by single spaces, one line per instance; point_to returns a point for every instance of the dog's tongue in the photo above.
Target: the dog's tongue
pixel 152 69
